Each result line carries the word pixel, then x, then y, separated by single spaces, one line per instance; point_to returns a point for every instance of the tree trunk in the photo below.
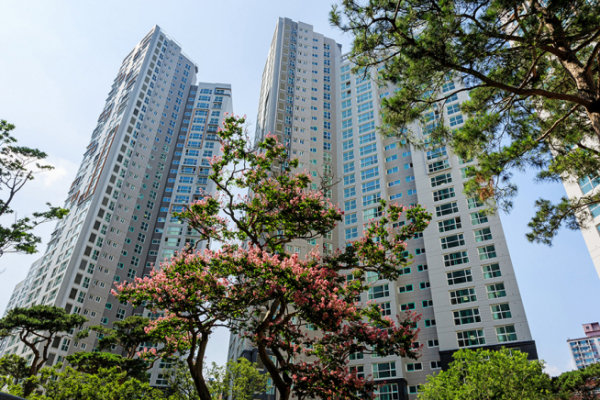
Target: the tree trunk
pixel 587 88
pixel 28 388
pixel 284 390
pixel 196 369
pixel 595 118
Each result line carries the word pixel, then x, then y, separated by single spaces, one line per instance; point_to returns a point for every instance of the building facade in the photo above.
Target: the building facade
pixel 591 232
pixel 298 101
pixel 147 157
pixel 462 280
pixel 585 350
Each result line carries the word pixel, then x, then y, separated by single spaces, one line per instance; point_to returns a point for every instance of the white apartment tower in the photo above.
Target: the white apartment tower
pixel 147 157
pixel 462 280
pixel 591 233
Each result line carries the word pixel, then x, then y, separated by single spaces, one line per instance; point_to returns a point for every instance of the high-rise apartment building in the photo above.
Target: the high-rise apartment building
pixel 462 280
pixel 147 157
pixel 591 233
pixel 298 100
pixel 298 103
pixel 585 350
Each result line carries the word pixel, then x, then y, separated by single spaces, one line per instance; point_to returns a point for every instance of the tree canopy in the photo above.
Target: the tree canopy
pixel 15 366
pixel 18 165
pixel 105 384
pixel 486 374
pixel 584 383
pixel 129 334
pixel 531 72
pixel 254 285
pixel 37 327
pixel 240 379
pixel 92 362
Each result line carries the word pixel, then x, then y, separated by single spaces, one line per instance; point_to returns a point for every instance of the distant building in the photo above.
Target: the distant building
pixel 585 350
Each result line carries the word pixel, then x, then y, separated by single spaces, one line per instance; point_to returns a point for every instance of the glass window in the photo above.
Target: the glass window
pixel 349 167
pixel 371 199
pixel 467 316
pixel 377 292
pixel 436 153
pixel 449 224
pixel 595 210
pixel 369 173
pixel 350 219
pixel 506 333
pixel 366 116
pixel 445 209
pixel 438 166
pixel 501 311
pixel 487 252
pixel 461 276
pixel 372 213
pixel 463 296
pixel 491 271
pixel 349 192
pixel 350 205
pixel 482 235
pixel 368 149
pixel 441 179
pixel 351 233
pixel 443 194
pixel 387 391
pixel 474 202
pixel 385 309
pixel 370 137
pixel 496 290
pixel 456 120
pixel 449 242
pixel 368 186
pixel 470 338
pixel 411 367
pixel 365 162
pixel 588 184
pixel 405 288
pixel 453 109
pixel 478 218
pixel 384 370
pixel 349 179
pixel 457 258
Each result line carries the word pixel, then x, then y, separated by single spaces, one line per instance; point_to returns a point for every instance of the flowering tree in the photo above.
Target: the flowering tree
pixel 274 298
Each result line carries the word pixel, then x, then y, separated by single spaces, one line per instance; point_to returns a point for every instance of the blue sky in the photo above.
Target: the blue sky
pixel 59 59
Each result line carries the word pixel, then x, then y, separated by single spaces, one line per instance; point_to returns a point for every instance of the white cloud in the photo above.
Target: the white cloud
pixel 56 175
pixel 553 370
